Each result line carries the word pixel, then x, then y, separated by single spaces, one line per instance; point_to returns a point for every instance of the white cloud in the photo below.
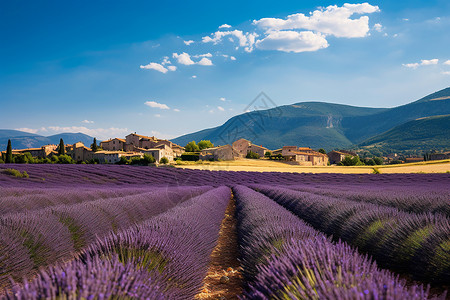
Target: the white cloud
pixel 202 55
pixel 166 61
pixel 447 62
pixel 188 42
pixel 224 26
pixel 405 19
pixel 220 108
pixel 205 62
pixel 246 40
pixel 293 41
pixel 411 65
pixel 332 20
pixel 29 130
pixel 194 76
pixel 445 73
pixel 223 99
pixel 172 68
pixel 176 109
pixel 157 116
pixel 156 105
pixel 183 58
pixel 378 27
pixel 87 122
pixel 155 66
pixel 232 58
pixel 423 62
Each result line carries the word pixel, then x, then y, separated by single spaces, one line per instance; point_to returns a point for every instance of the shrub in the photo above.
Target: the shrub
pixel 351 161
pixel 252 155
pixel 268 154
pixel 65 159
pixel 16 173
pixel 396 162
pixel 376 171
pixel 164 160
pixel 148 159
pixel 378 160
pixel 1 161
pixel 123 161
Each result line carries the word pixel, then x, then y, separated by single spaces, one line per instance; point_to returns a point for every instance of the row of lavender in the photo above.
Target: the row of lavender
pixel 435 199
pixel 37 238
pixel 413 244
pixel 284 258
pixel 114 175
pixel 165 257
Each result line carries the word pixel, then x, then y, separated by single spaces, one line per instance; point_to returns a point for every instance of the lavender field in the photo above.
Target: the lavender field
pixel 124 232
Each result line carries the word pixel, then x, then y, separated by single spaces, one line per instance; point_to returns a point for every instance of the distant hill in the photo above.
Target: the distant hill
pixel 22 140
pixel 320 124
pixel 421 134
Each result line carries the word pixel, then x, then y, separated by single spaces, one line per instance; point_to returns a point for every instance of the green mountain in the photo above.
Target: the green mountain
pixel 421 134
pixel 22 140
pixel 319 124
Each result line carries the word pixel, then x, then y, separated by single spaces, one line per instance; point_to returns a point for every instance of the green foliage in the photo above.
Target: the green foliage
pixel 378 160
pixel 189 156
pixel 9 157
pixel 16 173
pixel 204 144
pixel 2 161
pixel 61 148
pixel 65 159
pixel 369 162
pixel 321 150
pixel 376 171
pixel 252 155
pixel 268 154
pixel 123 161
pixel 192 147
pixel 164 160
pixel 148 159
pixel 351 161
pixel 395 162
pixel 25 158
pixel 94 146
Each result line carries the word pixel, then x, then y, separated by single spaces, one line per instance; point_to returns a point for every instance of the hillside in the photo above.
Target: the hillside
pixel 22 140
pixel 319 124
pixel 316 124
pixel 421 134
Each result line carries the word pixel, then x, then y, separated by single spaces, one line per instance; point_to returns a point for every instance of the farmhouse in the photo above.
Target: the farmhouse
pixel 42 152
pixel 113 144
pixel 304 156
pixel 336 157
pixel 440 156
pixel 112 157
pixel 79 152
pixel 223 153
pixel 242 147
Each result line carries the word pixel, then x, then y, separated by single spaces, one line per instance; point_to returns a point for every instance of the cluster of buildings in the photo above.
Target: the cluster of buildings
pixel 240 148
pixel 112 150
pixel 136 145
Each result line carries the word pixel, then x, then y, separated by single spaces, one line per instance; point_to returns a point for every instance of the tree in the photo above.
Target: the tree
pixel 94 146
pixel 252 155
pixel 192 147
pixel 321 150
pixel 9 157
pixel 351 161
pixel 204 144
pixel 62 149
pixel 378 160
pixel 268 154
pixel 164 160
pixel 148 159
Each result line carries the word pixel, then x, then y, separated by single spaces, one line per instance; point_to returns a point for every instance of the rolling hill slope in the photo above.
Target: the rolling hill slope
pixel 421 134
pixel 319 124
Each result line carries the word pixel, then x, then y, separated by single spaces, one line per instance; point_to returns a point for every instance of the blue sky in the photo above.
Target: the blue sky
pixel 107 68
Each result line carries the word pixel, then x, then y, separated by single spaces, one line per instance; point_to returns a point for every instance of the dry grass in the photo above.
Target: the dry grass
pixel 261 165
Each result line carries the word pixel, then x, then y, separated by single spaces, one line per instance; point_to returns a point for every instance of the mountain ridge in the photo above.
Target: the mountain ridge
pixel 319 124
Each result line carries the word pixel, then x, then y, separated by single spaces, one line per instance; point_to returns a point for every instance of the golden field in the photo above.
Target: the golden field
pixel 263 165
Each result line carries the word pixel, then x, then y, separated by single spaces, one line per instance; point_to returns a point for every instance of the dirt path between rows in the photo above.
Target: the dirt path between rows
pixel 224 278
